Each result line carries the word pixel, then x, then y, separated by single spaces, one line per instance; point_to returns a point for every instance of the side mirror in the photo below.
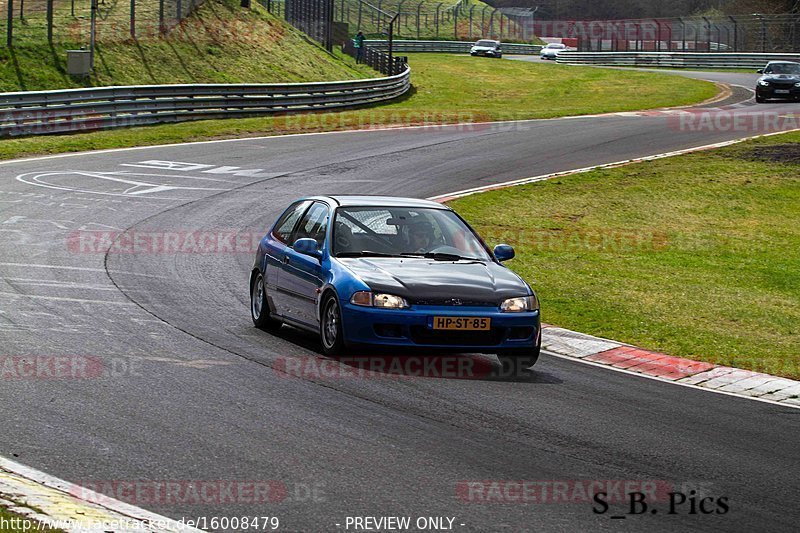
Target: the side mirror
pixel 503 252
pixel 307 247
pixel 760 71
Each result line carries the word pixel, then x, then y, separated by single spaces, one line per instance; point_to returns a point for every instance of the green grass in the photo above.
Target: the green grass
pixel 219 43
pixel 7 516
pixel 693 256
pixel 447 89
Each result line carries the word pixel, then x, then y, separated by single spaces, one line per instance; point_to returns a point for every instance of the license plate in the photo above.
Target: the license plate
pixel 781 91
pixel 462 323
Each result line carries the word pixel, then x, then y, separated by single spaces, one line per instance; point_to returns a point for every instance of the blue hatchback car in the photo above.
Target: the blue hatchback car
pixel 392 272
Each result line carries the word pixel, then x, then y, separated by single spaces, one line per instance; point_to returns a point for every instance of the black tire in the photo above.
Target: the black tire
pixel 331 334
pixel 259 307
pixel 516 361
pixel 760 99
pixel 499 56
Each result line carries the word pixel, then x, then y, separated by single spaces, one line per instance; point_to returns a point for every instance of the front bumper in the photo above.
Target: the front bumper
pixel 486 53
pixel 773 92
pixel 413 328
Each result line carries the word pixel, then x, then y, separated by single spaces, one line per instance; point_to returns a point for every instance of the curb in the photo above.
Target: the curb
pixel 46 500
pixel 620 356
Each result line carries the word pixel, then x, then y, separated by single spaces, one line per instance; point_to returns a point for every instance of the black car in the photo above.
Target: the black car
pixel 779 80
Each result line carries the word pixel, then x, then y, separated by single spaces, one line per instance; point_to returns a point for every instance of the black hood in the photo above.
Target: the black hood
pixel 428 281
pixel 785 78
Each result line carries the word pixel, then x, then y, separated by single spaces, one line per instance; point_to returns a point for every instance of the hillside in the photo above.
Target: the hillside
pixel 219 43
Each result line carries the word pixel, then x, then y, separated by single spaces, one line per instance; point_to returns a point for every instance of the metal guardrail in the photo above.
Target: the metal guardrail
pixel 75 110
pixel 456 47
pixel 674 59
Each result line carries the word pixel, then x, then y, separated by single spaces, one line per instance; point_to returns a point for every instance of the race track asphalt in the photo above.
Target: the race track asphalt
pixel 190 391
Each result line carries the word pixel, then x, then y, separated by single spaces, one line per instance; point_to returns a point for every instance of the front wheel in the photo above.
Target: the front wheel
pixel 330 327
pixel 259 307
pixel 760 99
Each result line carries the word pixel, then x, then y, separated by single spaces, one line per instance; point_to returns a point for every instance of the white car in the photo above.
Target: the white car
pixel 552 50
pixel 486 47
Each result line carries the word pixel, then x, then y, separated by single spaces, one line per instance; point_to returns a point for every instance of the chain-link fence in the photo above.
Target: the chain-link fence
pixel 428 19
pixel 36 21
pixel 744 33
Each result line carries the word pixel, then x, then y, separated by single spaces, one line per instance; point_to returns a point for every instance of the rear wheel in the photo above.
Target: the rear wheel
pixel 330 326
pixel 259 307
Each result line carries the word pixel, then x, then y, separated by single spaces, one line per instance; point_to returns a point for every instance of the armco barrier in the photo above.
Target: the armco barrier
pixel 74 110
pixel 675 59
pixel 456 47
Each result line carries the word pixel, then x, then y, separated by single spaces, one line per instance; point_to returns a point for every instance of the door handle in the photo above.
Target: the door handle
pixel 285 259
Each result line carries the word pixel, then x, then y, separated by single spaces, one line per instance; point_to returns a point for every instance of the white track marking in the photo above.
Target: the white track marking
pixel 62 299
pixel 137 187
pixel 656 378
pixel 56 267
pixel 544 177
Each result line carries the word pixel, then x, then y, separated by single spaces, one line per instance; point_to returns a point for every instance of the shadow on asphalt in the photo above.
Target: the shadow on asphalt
pixel 368 363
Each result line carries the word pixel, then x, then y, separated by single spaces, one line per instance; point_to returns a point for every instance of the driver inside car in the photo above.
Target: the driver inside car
pixel 421 236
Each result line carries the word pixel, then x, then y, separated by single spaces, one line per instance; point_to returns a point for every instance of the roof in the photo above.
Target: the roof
pixel 384 201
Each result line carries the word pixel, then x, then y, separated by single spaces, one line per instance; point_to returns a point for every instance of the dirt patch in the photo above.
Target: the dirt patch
pixel 788 154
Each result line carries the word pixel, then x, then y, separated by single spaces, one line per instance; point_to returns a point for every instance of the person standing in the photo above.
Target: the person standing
pixel 358 43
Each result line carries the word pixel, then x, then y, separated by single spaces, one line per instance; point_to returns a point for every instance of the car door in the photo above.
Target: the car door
pixel 300 276
pixel 277 243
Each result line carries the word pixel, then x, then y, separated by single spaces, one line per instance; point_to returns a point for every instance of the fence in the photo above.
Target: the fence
pixel 36 21
pixel 741 33
pixel 674 59
pixel 428 19
pixel 312 17
pixel 456 47
pixel 75 110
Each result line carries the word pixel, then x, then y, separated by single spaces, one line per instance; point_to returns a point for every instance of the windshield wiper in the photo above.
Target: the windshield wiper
pixel 441 256
pixel 365 253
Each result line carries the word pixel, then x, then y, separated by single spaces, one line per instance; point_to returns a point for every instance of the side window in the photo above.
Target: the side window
pixel 314 224
pixel 285 225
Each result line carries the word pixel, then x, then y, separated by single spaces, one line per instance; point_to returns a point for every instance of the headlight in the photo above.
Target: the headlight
pixel 797 84
pixel 386 301
pixel 763 83
pixel 520 304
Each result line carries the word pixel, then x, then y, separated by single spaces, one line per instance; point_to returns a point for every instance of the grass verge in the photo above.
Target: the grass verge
pixel 15 523
pixel 218 43
pixel 447 89
pixel 694 256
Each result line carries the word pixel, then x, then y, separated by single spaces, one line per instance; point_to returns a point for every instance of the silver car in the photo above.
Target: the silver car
pixel 552 50
pixel 486 47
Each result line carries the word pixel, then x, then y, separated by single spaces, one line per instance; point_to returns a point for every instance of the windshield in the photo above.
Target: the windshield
pixel 399 231
pixel 555 45
pixel 486 43
pixel 783 68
